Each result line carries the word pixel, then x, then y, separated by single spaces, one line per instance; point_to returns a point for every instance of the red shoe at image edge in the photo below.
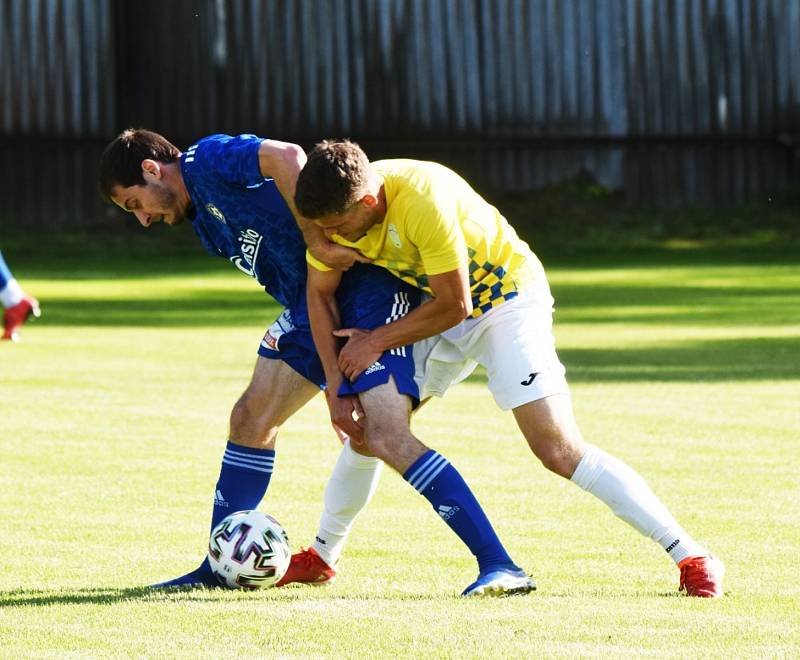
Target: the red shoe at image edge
pixel 14 317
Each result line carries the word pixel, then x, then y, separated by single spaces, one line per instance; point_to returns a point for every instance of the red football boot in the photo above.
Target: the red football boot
pixel 307 567
pixel 14 317
pixel 702 576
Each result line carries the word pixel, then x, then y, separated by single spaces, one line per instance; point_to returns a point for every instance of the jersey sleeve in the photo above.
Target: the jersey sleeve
pixel 432 225
pixel 234 158
pixel 316 263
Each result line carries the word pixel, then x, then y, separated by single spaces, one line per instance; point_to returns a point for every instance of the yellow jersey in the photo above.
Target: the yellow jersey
pixel 435 222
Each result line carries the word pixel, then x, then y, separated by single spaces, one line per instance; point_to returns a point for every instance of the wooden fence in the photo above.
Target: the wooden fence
pixel 402 68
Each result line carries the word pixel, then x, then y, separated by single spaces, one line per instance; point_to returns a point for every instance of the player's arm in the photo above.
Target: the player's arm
pixel 282 161
pixel 323 311
pixel 451 304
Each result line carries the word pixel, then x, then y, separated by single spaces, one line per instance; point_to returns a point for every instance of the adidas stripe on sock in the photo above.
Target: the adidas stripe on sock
pixel 243 480
pixel 440 483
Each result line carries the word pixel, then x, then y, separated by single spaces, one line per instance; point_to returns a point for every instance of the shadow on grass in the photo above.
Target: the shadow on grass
pixel 44 598
pixel 111 596
pixel 574 304
pixel 720 360
pixel 230 309
pixel 677 304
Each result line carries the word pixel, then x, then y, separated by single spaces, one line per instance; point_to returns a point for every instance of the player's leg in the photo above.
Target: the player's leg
pixel 526 376
pixel 549 426
pixel 275 392
pixel 349 489
pixel 368 297
pixel 17 306
pixel 389 437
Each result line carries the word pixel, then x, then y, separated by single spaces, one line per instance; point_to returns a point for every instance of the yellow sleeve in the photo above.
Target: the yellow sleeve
pixel 434 227
pixel 316 263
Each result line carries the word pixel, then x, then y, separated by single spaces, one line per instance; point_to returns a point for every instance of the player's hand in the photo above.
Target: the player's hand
pixel 337 256
pixel 342 409
pixel 357 354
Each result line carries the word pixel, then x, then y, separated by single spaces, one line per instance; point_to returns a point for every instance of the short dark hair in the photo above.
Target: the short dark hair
pixel 332 180
pixel 121 162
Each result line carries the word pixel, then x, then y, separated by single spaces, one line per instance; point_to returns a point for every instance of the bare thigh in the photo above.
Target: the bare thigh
pixel 275 393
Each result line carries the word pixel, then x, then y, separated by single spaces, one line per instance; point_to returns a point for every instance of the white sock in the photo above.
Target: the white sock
pixel 629 496
pixel 12 294
pixel 349 489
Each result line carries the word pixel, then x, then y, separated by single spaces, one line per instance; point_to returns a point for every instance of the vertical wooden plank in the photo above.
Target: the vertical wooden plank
pixel 453 19
pixel 277 40
pixel 521 112
pixel 602 46
pixel 323 60
pixel 500 35
pixel 793 39
pixel 107 72
pixel 57 57
pixel 748 61
pixel 680 47
pixel 488 66
pixel 668 56
pixel 22 66
pixel 615 91
pixel 586 55
pixel 472 70
pixel 381 55
pixel 440 106
pixel 763 43
pixel 91 87
pixel 654 119
pixel 638 101
pixel 734 44
pixel 41 102
pixel 537 66
pixel 554 49
pixel 570 71
pixel 700 69
pixel 341 120
pixel 689 70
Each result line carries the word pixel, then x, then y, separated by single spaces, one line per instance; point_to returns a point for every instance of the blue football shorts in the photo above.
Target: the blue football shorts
pixel 365 302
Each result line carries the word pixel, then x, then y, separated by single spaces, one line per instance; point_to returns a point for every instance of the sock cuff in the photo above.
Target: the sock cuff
pixel 589 467
pixel 425 469
pixel 248 458
pixel 356 460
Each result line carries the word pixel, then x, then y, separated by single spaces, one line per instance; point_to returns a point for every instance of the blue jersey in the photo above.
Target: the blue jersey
pixel 240 215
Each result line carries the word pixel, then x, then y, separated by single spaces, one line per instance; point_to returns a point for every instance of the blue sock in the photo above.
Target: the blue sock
pixel 243 481
pixel 441 484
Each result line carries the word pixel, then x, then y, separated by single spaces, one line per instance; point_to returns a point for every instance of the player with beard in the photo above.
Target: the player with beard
pixel 233 191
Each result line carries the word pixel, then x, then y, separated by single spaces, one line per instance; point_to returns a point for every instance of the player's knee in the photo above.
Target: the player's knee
pixel 558 455
pixel 377 442
pixel 250 426
pixel 558 463
pixel 383 441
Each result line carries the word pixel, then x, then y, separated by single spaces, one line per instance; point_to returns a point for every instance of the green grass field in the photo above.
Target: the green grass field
pixel 685 363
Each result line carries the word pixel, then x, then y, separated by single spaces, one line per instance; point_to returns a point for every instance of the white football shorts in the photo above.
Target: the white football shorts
pixel 514 341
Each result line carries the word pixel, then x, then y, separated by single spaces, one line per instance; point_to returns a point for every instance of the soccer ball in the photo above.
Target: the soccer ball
pixel 249 550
